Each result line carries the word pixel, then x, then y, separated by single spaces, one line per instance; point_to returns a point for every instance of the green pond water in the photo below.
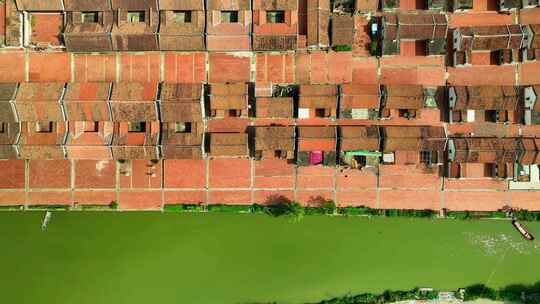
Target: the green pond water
pixel 106 257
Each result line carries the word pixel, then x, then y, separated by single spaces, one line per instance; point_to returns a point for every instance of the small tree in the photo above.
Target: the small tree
pixel 326 206
pixel 279 205
pixel 113 205
pixel 479 291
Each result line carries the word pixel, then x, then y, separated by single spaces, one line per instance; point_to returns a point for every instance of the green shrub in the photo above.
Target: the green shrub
pixel 12 207
pixel 512 292
pixel 461 215
pixel 415 213
pixel 256 208
pixel 113 205
pixel 229 208
pixel 391 212
pixel 498 214
pixel 95 207
pixel 183 208
pixel 479 291
pixel 278 205
pixel 385 297
pixel 361 210
pixel 525 215
pixel 320 205
pixel 48 207
pixel 343 48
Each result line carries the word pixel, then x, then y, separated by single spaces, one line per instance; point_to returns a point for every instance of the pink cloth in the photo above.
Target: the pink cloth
pixel 315 157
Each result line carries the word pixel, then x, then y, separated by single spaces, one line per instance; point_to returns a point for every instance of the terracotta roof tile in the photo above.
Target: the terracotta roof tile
pixel 228 144
pixel 274 107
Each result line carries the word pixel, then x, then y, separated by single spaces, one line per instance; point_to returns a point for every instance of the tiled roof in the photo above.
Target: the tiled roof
pixel 414 138
pixel 489 37
pixel 486 150
pixel 85 5
pixel 180 5
pixel 42 5
pixel 274 138
pixel 359 138
pixel 342 29
pixel 486 98
pixel 404 97
pixel 274 107
pixel 228 144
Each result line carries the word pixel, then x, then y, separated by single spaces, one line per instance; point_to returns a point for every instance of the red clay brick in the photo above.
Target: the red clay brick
pixel 525 200
pixel 482 75
pixel 412 60
pixel 529 15
pixel 184 173
pixel 531 130
pixel 316 170
pixel 273 167
pixel 529 73
pixel 185 67
pixel 479 19
pixel 318 66
pixel 95 174
pixel 357 198
pixel 229 173
pixel 12 174
pixel 140 67
pixel 276 68
pixel 476 184
pixel 12 198
pixel 399 75
pixel 229 67
pixel 302 63
pixel 94 197
pixel 232 125
pixel 50 67
pixel 340 67
pixel 49 198
pixel 274 182
pixel 50 173
pixel 364 70
pixel 139 200
pixel 406 199
pixel 262 197
pixel 184 197
pixel 305 197
pixel 475 201
pixel 12 67
pixel 311 181
pixel 94 67
pixel 230 197
pixel 143 174
pixel 410 181
pixel 354 179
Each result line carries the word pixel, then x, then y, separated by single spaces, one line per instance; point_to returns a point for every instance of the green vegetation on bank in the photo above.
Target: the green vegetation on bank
pixel 278 206
pixel 111 206
pixel 12 207
pixel 220 257
pixel 48 207
pixel 281 206
pixel 516 293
